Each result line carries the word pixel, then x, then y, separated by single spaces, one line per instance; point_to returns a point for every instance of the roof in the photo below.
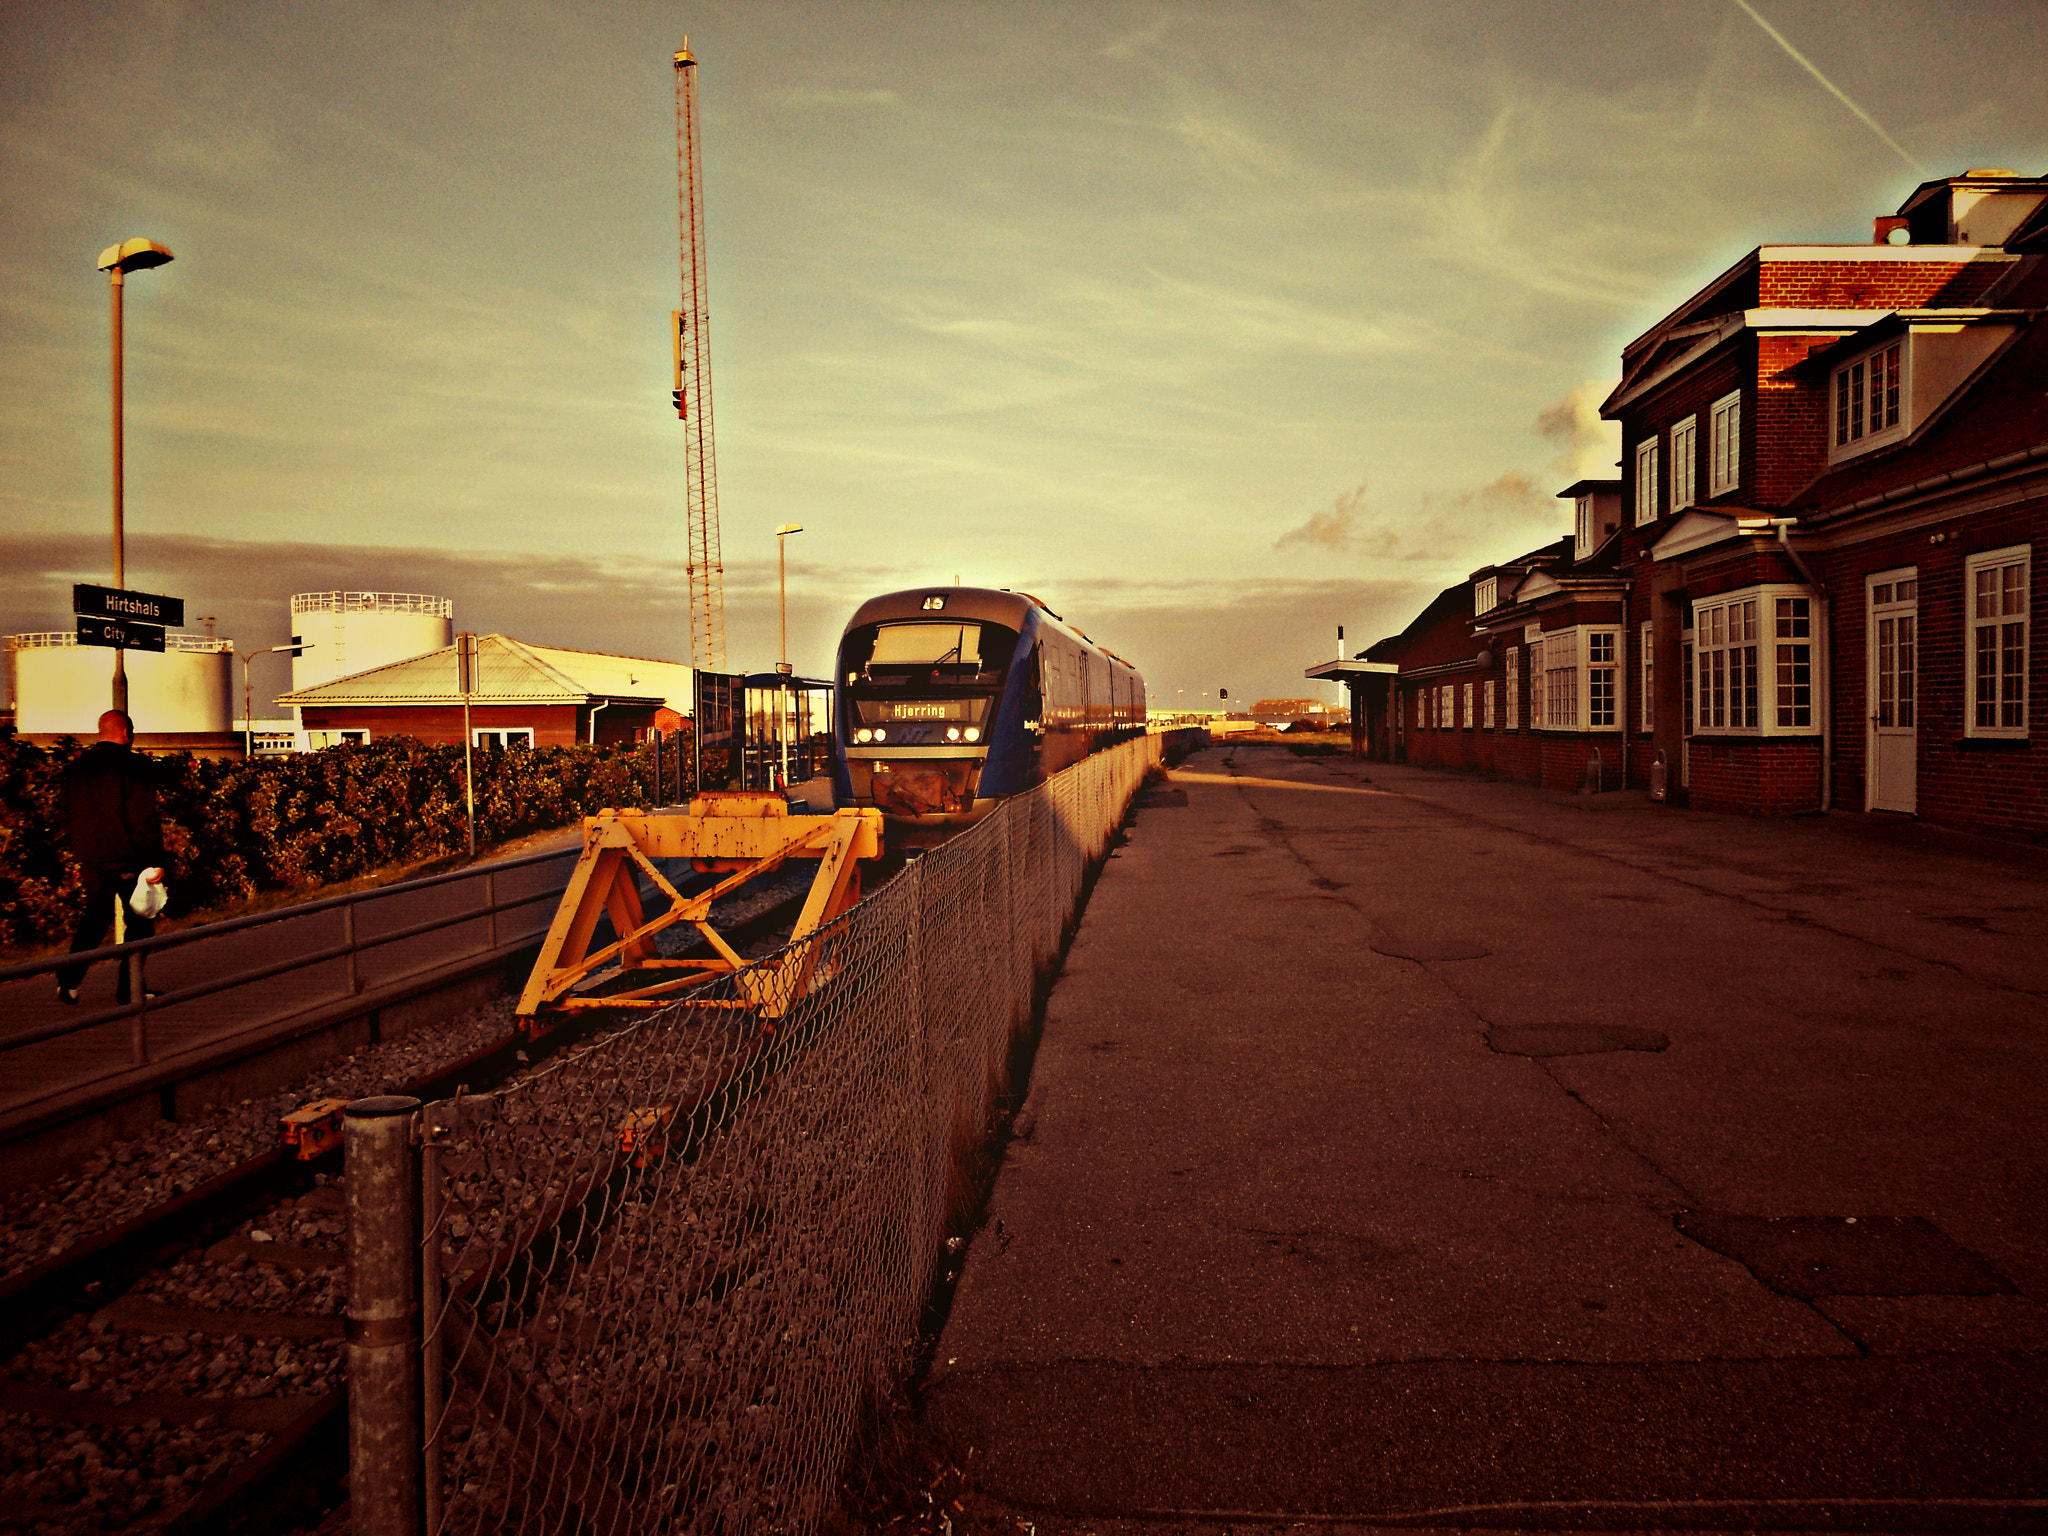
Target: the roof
pixel 508 671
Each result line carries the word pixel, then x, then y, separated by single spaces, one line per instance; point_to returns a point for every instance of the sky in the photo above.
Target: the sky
pixel 1215 326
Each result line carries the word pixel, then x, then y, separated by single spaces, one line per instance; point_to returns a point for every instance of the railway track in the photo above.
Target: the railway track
pixel 183 1369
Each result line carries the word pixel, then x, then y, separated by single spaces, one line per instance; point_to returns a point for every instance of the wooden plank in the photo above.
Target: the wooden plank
pixel 131 1314
pixel 268 1414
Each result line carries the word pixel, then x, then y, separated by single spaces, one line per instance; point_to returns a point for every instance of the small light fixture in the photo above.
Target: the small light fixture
pixel 934 602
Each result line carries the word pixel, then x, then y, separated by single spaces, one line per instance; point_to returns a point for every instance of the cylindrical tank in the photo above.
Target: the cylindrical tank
pixel 60 687
pixel 348 632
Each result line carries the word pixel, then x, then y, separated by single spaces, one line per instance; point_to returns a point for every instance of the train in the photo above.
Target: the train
pixel 950 699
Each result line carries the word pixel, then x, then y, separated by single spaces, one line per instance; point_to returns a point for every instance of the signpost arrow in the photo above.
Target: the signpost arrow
pixel 90 602
pixel 120 634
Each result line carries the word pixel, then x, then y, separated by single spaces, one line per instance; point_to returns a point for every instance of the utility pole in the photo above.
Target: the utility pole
pixel 136 255
pixel 465 677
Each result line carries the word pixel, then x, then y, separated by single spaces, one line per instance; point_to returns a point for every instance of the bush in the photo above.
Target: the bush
pixel 234 829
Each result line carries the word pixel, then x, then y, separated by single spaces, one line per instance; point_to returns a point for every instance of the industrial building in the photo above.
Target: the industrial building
pixel 1811 587
pixel 182 699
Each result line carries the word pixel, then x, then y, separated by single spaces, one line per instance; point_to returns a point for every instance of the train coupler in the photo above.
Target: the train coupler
pixel 313 1128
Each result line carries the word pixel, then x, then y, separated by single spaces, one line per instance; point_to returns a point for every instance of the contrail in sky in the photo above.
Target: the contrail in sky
pixel 1833 90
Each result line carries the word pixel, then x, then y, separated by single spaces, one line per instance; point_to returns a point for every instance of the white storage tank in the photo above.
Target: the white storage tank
pixel 348 632
pixel 60 687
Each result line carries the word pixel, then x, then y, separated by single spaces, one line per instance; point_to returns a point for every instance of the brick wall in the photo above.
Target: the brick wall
pixel 1756 777
pixel 1874 284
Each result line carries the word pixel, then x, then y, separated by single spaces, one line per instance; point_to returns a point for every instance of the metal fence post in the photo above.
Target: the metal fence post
pixel 490 908
pixel 386 1488
pixel 348 937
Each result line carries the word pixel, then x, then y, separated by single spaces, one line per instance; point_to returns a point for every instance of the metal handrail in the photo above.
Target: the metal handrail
pixel 207 988
pixel 49 963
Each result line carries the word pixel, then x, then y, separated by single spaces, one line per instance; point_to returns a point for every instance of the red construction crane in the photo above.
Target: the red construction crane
pixel 692 330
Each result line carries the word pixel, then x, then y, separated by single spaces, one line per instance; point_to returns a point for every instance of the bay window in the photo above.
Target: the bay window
pixel 1752 670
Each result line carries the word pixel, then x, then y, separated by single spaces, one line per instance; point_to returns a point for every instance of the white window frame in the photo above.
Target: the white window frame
pixel 1468 712
pixel 1873 385
pixel 1756 661
pixel 1512 712
pixel 1724 448
pixel 1489 720
pixel 1580 666
pixel 1582 538
pixel 1998 628
pixel 1536 685
pixel 1685 441
pixel 1648 691
pixel 478 733
pixel 337 736
pixel 1646 481
pixel 1486 593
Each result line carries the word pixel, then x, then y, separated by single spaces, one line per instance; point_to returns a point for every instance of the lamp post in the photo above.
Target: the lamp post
pixel 782 665
pixel 136 255
pixel 248 705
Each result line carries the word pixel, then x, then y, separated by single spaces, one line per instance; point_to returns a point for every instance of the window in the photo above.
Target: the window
pixel 499 740
pixel 1536 684
pixel 1995 590
pixel 318 741
pixel 1486 595
pixel 1795 662
pixel 1867 398
pixel 1514 701
pixel 1486 692
pixel 1684 440
pixel 1582 539
pixel 1646 482
pixel 1752 662
pixel 1600 670
pixel 1649 692
pixel 1724 447
pixel 1561 679
pixel 1467 719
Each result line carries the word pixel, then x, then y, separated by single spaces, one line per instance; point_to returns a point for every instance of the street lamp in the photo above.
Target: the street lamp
pixel 248 706
pixel 782 665
pixel 136 255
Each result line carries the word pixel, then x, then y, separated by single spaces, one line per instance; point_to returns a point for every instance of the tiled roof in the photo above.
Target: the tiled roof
pixel 508 671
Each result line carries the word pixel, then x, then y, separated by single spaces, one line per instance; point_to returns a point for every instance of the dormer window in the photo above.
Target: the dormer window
pixel 1486 595
pixel 1582 541
pixel 1869 400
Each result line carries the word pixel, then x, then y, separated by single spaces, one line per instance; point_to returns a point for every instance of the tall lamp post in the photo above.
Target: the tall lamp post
pixel 136 255
pixel 782 663
pixel 248 704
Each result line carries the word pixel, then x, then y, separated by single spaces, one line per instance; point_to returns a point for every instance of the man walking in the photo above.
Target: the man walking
pixel 110 806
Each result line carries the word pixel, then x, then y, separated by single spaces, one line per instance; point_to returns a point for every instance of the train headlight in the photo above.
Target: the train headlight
pixel 974 733
pixel 863 734
pixel 952 733
pixel 880 734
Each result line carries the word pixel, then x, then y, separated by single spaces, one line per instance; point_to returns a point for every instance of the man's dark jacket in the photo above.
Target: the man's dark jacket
pixel 110 804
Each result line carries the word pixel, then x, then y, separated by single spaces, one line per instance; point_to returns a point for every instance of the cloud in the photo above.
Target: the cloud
pixel 812 96
pixel 1333 528
pixel 1588 447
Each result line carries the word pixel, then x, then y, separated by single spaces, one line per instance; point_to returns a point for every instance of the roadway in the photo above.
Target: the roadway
pixel 1408 1149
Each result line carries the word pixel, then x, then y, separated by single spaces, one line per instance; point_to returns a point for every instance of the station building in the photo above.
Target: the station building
pixel 1812 585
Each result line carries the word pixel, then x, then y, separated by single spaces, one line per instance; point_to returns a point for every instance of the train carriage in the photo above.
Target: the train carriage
pixel 951 698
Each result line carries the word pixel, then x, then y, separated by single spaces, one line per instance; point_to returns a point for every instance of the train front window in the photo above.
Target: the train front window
pixel 927 645
pixel 945 651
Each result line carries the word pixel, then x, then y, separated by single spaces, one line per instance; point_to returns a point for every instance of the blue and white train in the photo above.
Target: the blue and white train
pixel 951 698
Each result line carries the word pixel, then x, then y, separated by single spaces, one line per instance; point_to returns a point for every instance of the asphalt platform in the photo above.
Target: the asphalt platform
pixel 1405 1149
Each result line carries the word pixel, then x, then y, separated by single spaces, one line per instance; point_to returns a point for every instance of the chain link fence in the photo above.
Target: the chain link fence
pixel 662 1274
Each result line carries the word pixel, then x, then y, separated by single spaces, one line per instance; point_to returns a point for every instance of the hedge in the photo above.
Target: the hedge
pixel 234 829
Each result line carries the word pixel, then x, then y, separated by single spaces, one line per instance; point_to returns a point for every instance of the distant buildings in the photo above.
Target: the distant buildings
pixel 1812 585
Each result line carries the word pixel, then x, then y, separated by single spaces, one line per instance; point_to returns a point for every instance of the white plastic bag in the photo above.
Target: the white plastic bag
pixel 150 893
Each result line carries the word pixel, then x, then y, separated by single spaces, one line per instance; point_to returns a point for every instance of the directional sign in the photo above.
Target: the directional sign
pixel 121 634
pixel 113 603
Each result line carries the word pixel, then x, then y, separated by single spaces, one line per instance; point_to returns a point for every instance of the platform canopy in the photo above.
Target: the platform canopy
pixel 1341 671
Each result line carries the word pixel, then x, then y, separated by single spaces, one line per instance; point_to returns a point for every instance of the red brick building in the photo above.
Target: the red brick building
pixel 521 696
pixel 1813 585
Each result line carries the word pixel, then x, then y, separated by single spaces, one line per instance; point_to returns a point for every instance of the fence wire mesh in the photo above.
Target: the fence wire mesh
pixel 664 1271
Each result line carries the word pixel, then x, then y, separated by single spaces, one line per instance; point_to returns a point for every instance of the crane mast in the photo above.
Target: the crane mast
pixel 692 336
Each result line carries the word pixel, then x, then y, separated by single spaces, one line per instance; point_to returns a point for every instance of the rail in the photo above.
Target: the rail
pixel 359 935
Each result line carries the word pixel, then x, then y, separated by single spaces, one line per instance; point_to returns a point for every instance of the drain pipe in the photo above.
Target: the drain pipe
pixel 607 704
pixel 1824 671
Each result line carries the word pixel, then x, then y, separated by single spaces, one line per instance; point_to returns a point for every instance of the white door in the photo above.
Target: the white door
pixel 1894 691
